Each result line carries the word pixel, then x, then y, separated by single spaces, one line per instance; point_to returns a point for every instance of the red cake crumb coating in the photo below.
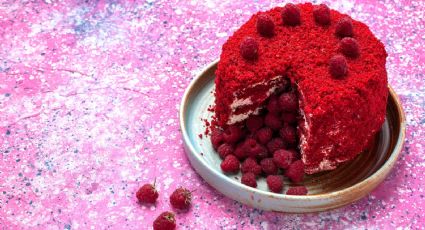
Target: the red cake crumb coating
pixel 338 116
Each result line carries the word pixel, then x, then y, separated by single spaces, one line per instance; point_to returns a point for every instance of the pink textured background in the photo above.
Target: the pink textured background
pixel 89 96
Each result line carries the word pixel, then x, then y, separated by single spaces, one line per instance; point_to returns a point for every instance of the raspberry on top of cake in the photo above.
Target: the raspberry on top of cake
pixel 333 64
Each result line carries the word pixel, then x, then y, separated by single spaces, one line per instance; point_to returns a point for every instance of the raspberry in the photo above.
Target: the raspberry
pixel 273 121
pixel 290 118
pixel 297 155
pixel 268 166
pixel 322 14
pixel 264 135
pixel 224 150
pixel 338 66
pixel 249 179
pixel 275 144
pixel 147 194
pixel 249 48
pixel 254 149
pixel 349 47
pixel 288 134
pixel 230 164
pixel 251 165
pixel 295 171
pixel 291 15
pixel 283 158
pixel 273 105
pixel 288 102
pixel 344 28
pixel 216 138
pixel 165 221
pixel 232 134
pixel 181 198
pixel 240 151
pixel 265 25
pixel 254 123
pixel 297 190
pixel 275 183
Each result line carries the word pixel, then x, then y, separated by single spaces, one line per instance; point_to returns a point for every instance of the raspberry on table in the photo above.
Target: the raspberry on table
pixel 295 171
pixel 254 123
pixel 181 198
pixel 275 183
pixel 275 144
pixel 165 221
pixel 283 158
pixel 249 179
pixel 268 166
pixel 249 48
pixel 264 135
pixel 349 47
pixel 291 15
pixel 265 25
pixel 322 14
pixel 297 190
pixel 273 121
pixel 338 66
pixel 288 134
pixel 232 134
pixel 344 28
pixel 225 149
pixel 147 194
pixel 251 165
pixel 288 102
pixel 230 164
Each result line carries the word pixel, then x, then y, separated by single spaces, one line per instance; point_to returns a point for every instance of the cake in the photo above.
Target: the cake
pixel 328 68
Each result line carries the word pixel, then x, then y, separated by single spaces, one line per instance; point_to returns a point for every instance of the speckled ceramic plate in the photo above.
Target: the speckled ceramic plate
pixel 327 190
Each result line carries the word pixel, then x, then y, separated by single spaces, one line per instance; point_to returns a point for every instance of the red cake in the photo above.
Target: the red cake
pixel 334 65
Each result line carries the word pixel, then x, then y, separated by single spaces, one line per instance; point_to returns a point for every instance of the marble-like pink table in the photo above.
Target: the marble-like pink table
pixel 89 97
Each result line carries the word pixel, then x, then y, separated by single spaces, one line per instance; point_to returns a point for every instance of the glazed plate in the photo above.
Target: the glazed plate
pixel 327 190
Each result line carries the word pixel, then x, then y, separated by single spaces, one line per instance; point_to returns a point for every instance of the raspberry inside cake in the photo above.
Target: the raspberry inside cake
pixel 312 75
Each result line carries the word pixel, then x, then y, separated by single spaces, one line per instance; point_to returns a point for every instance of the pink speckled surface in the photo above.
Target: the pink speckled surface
pixel 89 97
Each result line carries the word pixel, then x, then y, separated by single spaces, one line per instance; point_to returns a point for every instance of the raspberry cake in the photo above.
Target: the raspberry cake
pixel 302 79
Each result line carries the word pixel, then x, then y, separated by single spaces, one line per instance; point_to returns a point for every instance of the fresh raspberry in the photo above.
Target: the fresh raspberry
pixel 249 48
pixel 275 183
pixel 232 134
pixel 291 15
pixel 290 118
pixel 344 28
pixel 349 47
pixel 147 194
pixel 251 165
pixel 225 149
pixel 216 138
pixel 283 158
pixel 265 25
pixel 264 135
pixel 268 166
pixel 275 144
pixel 254 123
pixel 240 151
pixel 273 121
pixel 165 221
pixel 288 134
pixel 273 105
pixel 297 190
pixel 322 14
pixel 181 198
pixel 230 164
pixel 338 66
pixel 249 179
pixel 288 102
pixel 254 149
pixel 295 171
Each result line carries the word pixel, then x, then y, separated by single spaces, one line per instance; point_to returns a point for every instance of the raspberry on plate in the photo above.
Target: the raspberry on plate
pixel 276 144
pixel 275 183
pixel 165 221
pixel 254 123
pixel 230 164
pixel 251 165
pixel 283 158
pixel 295 171
pixel 181 198
pixel 249 179
pixel 224 150
pixel 232 134
pixel 264 135
pixel 268 166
